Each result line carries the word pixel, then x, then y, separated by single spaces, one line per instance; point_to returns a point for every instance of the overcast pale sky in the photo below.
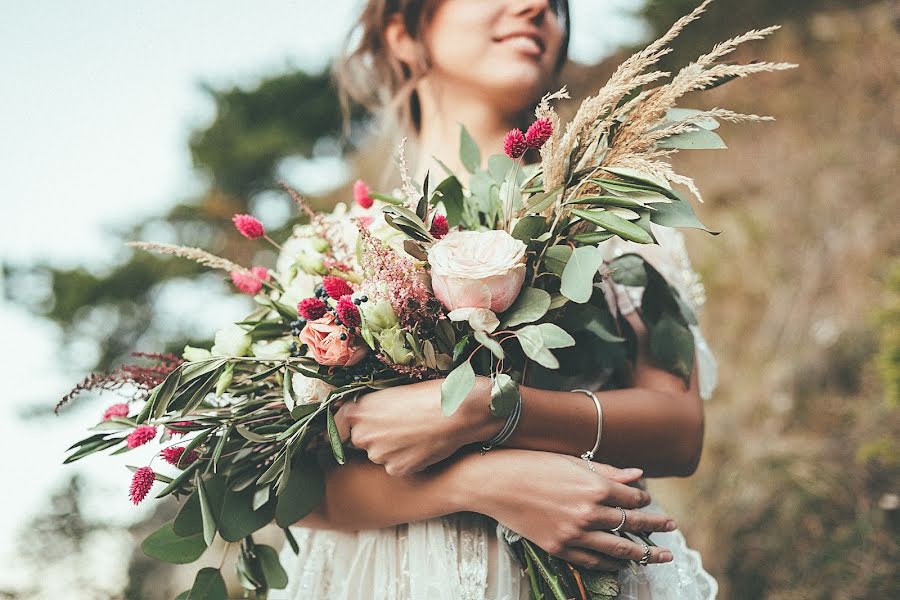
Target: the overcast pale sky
pixel 96 101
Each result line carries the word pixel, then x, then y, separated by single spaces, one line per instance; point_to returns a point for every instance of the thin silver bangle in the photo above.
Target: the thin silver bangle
pixel 589 455
pixel 512 421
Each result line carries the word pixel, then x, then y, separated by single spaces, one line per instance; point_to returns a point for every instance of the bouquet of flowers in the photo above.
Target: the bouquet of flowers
pixel 502 278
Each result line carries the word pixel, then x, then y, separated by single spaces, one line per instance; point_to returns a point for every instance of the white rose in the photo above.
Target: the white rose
pixel 309 390
pixel 303 285
pixel 231 341
pixel 477 269
pixel 273 349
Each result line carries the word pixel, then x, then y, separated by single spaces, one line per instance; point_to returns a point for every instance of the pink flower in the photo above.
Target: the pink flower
pixel 116 410
pixel 140 436
pixel 477 269
pixel 331 344
pixel 250 283
pixel 439 226
pixel 336 287
pixel 538 133
pixel 172 455
pixel 140 484
pixel 347 312
pixel 249 226
pixel 361 194
pixel 514 144
pixel 311 309
pixel 178 424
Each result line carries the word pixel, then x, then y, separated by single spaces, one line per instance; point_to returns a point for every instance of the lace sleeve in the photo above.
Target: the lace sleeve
pixel 670 258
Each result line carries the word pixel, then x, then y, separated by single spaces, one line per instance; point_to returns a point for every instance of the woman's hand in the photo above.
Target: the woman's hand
pixel 404 429
pixel 558 503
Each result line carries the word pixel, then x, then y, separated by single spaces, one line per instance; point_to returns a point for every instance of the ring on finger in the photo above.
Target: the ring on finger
pixel 621 524
pixel 645 559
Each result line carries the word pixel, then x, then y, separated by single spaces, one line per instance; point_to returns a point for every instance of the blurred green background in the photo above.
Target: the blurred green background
pixel 797 494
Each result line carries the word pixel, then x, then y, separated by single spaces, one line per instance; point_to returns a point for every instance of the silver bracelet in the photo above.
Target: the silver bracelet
pixel 512 421
pixel 589 455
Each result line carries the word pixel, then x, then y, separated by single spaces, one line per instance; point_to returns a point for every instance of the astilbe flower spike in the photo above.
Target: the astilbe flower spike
pixel 311 309
pixel 348 312
pixel 116 410
pixel 247 283
pixel 538 133
pixel 361 194
pixel 249 226
pixel 140 484
pixel 439 226
pixel 173 455
pixel 336 286
pixel 514 144
pixel 140 436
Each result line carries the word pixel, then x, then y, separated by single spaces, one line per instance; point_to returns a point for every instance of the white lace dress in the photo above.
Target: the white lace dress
pixel 458 557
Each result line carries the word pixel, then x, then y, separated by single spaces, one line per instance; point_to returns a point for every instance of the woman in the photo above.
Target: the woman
pixel 390 528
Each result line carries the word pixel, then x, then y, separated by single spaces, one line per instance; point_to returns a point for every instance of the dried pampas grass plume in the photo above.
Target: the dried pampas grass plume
pixel 195 254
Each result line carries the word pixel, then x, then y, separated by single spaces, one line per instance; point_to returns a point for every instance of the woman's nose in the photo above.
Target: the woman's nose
pixel 530 8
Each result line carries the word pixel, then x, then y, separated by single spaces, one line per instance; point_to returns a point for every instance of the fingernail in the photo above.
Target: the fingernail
pixel 670 526
pixel 634 472
pixel 665 557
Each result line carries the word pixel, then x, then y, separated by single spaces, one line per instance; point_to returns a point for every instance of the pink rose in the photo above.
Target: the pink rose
pixel 323 337
pixel 477 269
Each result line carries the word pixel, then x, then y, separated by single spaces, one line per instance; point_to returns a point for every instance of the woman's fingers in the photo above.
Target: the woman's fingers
pixel 621 547
pixel 619 494
pixel 635 520
pixel 617 474
pixel 591 560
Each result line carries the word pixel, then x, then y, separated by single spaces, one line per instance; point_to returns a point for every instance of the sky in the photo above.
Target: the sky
pixel 96 103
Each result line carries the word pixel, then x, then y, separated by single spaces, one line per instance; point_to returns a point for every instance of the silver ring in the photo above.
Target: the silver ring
pixel 618 527
pixel 645 560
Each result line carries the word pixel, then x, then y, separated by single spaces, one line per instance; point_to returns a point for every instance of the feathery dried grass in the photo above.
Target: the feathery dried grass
pixel 195 254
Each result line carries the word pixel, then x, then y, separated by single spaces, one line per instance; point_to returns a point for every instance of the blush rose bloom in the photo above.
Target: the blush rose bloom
pixel 477 269
pixel 323 337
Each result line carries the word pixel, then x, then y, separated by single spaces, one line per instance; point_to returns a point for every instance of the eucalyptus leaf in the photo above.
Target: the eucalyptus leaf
pixel 450 193
pixel 499 165
pixel 529 227
pixel 690 114
pixel 238 517
pixel 532 343
pixel 337 447
pixel 275 575
pixel 530 305
pixel 491 344
pixel 578 276
pixel 164 544
pixel 672 347
pixel 621 227
pixel 698 139
pixel 678 213
pixel 207 513
pixel 469 154
pixel 628 269
pixel 456 386
pixel 302 493
pixel 556 258
pixel 208 585
pixel 504 395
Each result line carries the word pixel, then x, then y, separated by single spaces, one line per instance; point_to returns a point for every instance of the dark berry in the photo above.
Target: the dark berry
pixel 364 298
pixel 343 336
pixel 357 301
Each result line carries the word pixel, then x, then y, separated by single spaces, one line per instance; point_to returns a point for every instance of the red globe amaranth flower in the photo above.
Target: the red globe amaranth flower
pixel 311 309
pixel 260 273
pixel 361 194
pixel 249 226
pixel 538 133
pixel 336 287
pixel 178 424
pixel 439 226
pixel 140 484
pixel 140 436
pixel 514 144
pixel 246 282
pixel 172 455
pixel 116 410
pixel 347 312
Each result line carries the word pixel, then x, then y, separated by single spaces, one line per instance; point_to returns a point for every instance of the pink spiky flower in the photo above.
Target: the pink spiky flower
pixel 439 226
pixel 178 424
pixel 361 194
pixel 172 455
pixel 514 144
pixel 336 286
pixel 311 309
pixel 140 436
pixel 538 133
pixel 116 410
pixel 140 484
pixel 347 312
pixel 249 226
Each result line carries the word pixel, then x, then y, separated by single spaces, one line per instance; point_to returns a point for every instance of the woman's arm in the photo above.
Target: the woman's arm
pixel 656 425
pixel 553 500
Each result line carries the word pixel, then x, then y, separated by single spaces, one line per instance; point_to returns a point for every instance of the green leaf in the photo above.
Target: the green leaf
pixel 672 347
pixel 251 436
pixel 529 228
pixel 166 389
pixel 678 213
pixel 261 496
pixel 164 544
pixel 469 154
pixel 274 573
pixel 302 493
pixel 532 343
pixel 287 392
pixel 207 513
pixel 504 395
pixel 460 347
pixel 594 320
pixel 601 585
pixel 699 139
pixel 456 387
pixel 530 305
pixel 540 202
pixel 208 585
pixel 638 176
pixel 489 343
pixel 622 201
pixel 592 238
pixel 450 193
pixel 183 595
pixel 238 517
pixel 189 520
pixel 182 477
pixel 90 448
pixel 578 275
pixel 622 227
pixel 337 447
pixel 556 258
pixel 628 269
pixel 555 336
pixel 499 165
pixel 225 379
pixel 690 114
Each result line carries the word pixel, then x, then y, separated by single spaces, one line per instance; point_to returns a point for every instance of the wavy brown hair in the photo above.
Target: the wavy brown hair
pixel 367 72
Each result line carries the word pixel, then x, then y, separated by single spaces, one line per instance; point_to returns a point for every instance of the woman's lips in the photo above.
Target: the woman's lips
pixel 524 43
